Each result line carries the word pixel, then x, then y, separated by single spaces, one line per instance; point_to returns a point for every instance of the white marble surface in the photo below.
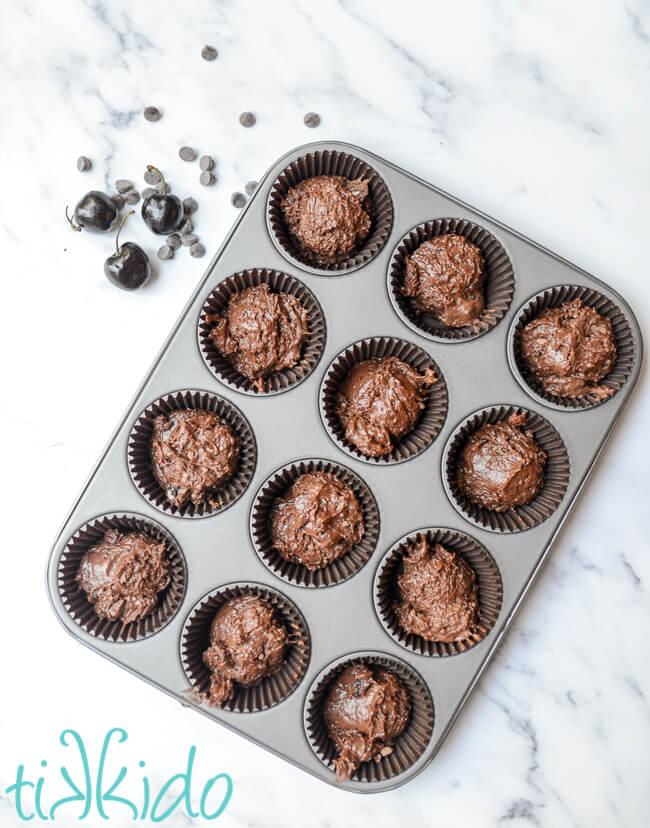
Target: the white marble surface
pixel 536 113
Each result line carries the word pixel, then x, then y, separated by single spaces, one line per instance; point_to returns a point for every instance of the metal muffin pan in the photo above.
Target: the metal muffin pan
pixel 342 619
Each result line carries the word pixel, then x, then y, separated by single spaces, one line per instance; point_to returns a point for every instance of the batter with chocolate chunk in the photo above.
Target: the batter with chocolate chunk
pixel 193 453
pixel 260 332
pixel 328 217
pixel 317 522
pixel 569 349
pixel 123 574
pixel 380 401
pixel 445 278
pixel 366 709
pixel 247 643
pixel 438 593
pixel 501 466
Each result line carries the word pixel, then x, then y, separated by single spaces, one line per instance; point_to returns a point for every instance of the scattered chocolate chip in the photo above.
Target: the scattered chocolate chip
pixel 123 186
pixel 152 113
pixel 247 119
pixel 188 239
pixel 133 197
pixel 165 252
pixel 209 53
pixel 238 199
pixel 190 205
pixel 152 177
pixel 206 162
pixel 250 187
pixel 187 154
pixel 207 178
pixel 187 226
pixel 311 119
pixel 197 250
pixel 174 241
pixel 147 192
pixel 118 200
pixel 83 163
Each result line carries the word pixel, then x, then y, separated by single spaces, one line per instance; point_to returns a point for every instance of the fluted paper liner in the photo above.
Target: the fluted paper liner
pixel 490 590
pixel 545 502
pixel 278 282
pixel 331 162
pixel 409 745
pixel 76 601
pixel 273 689
pixel 623 338
pixel 435 401
pixel 139 452
pixel 498 287
pixel 277 486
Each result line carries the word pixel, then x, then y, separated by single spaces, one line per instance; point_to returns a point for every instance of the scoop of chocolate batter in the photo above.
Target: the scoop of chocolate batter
pixel 123 574
pixel 327 217
pixel 365 711
pixel 380 401
pixel 438 593
pixel 193 453
pixel 318 520
pixel 501 466
pixel 445 277
pixel 569 349
pixel 260 332
pixel 247 643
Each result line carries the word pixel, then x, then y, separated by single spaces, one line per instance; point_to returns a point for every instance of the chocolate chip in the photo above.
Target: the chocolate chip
pixel 250 187
pixel 187 226
pixel 238 199
pixel 197 250
pixel 173 241
pixel 311 120
pixel 187 154
pixel 152 113
pixel 209 53
pixel 147 192
pixel 190 205
pixel 207 178
pixel 165 252
pixel 151 177
pixel 188 239
pixel 247 119
pixel 118 200
pixel 206 162
pixel 133 197
pixel 123 186
pixel 83 163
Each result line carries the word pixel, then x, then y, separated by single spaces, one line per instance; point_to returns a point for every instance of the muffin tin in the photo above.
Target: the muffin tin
pixel 345 615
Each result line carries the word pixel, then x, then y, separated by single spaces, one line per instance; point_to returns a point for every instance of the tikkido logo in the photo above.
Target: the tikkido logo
pixel 87 792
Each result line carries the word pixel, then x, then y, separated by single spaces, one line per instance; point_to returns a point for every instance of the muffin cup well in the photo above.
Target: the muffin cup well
pixel 345 567
pixel 195 640
pixel 552 298
pixel 490 590
pixel 431 419
pixel 139 452
pixel 76 601
pixel 330 162
pixel 409 745
pixel 556 472
pixel 498 287
pixel 278 282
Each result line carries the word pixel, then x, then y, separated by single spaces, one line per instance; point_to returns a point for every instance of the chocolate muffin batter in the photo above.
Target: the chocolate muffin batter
pixel 569 349
pixel 317 522
pixel 327 217
pixel 380 401
pixel 501 466
pixel 445 277
pixel 260 332
pixel 193 453
pixel 365 710
pixel 247 643
pixel 438 593
pixel 123 574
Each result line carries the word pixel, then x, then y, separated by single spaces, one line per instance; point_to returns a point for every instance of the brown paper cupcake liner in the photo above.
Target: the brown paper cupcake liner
pixel 433 415
pixel 490 590
pixel 556 472
pixel 408 747
pixel 277 485
pixel 76 601
pixel 195 640
pixel 330 162
pixel 278 282
pixel 499 283
pixel 139 452
pixel 552 298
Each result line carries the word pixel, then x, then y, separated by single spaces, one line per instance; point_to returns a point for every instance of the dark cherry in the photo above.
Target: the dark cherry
pixel 95 212
pixel 162 212
pixel 129 268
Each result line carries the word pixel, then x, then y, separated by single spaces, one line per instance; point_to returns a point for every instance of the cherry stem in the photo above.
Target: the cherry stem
pixel 162 177
pixel 70 222
pixel 119 230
